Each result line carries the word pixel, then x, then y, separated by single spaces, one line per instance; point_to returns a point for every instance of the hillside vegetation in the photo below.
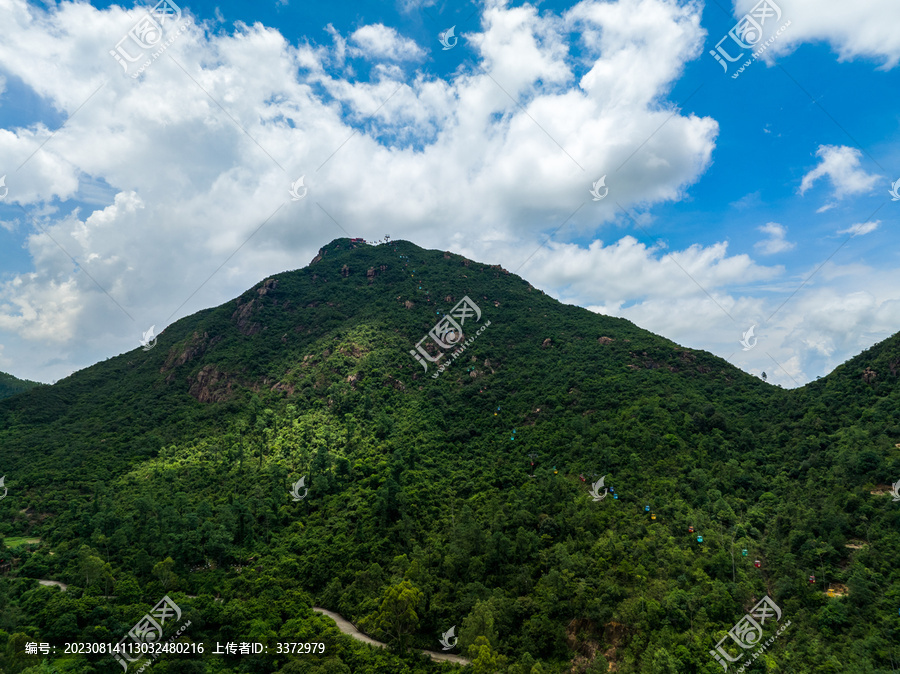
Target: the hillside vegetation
pixel 9 385
pixel 461 500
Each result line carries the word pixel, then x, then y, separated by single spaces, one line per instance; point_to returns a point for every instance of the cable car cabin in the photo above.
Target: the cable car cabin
pixel 690 530
pixel 612 489
pixel 699 539
pixel 757 563
pixel 812 579
pixel 652 516
pixel 830 592
pixel 744 552
pixel 616 496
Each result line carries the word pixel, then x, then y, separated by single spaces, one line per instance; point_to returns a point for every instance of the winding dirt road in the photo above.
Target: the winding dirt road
pixel 349 628
pixel 51 583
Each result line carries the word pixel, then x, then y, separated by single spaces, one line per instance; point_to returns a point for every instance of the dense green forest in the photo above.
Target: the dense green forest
pixel 461 500
pixel 9 385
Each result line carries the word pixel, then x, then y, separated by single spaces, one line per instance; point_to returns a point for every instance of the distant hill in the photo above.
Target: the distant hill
pixel 287 449
pixel 10 386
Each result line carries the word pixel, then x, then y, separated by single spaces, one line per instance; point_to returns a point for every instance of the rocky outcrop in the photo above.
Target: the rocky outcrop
pixel 268 284
pixel 242 316
pixel 210 385
pixel 196 346
pixel 372 272
pixel 319 256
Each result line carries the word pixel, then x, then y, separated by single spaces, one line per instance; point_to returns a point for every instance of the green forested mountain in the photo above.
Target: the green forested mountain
pixel 461 500
pixel 9 385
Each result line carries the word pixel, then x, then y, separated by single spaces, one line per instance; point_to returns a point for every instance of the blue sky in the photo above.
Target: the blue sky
pixel 757 201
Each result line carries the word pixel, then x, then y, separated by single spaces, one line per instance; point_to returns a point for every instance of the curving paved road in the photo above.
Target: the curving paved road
pixel 347 627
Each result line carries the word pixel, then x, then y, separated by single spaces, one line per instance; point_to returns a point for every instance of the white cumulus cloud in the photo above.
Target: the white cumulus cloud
pixel 377 41
pixel 197 155
pixel 776 242
pixel 865 29
pixel 841 165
